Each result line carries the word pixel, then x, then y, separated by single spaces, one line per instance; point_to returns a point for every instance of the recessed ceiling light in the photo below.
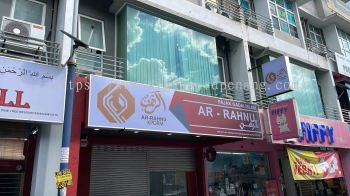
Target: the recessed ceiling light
pixel 96 129
pixel 136 132
pixel 169 134
pixel 198 136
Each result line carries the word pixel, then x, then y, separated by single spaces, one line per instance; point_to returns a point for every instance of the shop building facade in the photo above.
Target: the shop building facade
pixel 192 70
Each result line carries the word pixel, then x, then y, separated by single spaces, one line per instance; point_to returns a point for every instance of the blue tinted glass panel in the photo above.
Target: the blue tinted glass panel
pixel 162 53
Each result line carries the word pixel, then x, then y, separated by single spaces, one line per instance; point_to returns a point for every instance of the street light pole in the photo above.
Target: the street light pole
pixel 68 110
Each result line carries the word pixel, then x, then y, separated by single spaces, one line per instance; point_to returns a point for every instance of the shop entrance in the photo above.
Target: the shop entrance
pixel 142 171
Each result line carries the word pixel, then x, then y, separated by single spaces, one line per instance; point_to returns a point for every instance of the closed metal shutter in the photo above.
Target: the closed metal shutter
pixel 171 159
pixel 124 170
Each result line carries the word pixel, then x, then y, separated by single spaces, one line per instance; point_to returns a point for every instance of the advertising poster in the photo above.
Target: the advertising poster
pixel 309 165
pixel 118 104
pixel 284 119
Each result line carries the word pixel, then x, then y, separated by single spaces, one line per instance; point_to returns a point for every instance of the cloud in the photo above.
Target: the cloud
pixel 159 75
pixel 135 32
pixel 205 44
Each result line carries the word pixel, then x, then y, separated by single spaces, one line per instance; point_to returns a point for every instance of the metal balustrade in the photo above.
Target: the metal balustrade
pixel 262 100
pixel 28 48
pixel 346 115
pixel 236 94
pixel 319 49
pixel 232 10
pixel 99 64
pixel 328 112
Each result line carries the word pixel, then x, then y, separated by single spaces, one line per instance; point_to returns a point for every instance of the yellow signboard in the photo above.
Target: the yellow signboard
pixel 309 165
pixel 63 178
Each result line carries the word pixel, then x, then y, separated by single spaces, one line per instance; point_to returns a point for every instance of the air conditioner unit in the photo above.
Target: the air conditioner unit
pixel 21 35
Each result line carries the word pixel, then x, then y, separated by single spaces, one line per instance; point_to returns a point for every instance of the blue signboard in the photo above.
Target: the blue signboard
pixel 277 76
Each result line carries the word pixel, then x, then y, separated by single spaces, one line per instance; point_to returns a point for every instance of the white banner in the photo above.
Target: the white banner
pixel 343 64
pixel 31 92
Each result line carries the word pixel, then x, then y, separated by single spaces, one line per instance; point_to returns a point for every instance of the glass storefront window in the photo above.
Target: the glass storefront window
pixel 161 53
pixel 306 91
pixel 168 184
pixel 238 173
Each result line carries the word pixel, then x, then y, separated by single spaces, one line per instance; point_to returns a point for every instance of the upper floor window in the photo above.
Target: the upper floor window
pixel 246 4
pixel 166 54
pixel 91 31
pixel 283 17
pixel 316 34
pixel 29 10
pixel 344 39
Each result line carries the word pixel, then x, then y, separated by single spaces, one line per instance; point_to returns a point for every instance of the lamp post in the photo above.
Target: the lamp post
pixel 68 110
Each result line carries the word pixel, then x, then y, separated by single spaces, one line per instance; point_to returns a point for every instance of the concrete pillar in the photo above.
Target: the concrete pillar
pixel 345 161
pixel 239 65
pixel 65 18
pixel 329 92
pixel 47 155
pixel 47 159
pixel 331 38
pixel 299 26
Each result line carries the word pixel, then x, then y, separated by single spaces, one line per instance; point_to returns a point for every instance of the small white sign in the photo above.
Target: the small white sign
pixel 343 64
pixel 31 91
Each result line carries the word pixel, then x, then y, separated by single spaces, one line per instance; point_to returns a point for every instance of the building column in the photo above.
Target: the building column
pixel 329 93
pixel 47 160
pixel 239 65
pixel 79 114
pixel 48 152
pixel 345 160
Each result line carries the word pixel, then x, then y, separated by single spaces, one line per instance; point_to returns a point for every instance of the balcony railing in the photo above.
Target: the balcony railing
pixel 262 100
pixel 328 111
pixel 319 49
pixel 346 115
pixel 28 48
pixel 232 10
pixel 99 64
pixel 236 94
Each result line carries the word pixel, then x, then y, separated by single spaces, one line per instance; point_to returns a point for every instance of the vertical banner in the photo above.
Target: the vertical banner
pixel 277 76
pixel 308 165
pixel 284 119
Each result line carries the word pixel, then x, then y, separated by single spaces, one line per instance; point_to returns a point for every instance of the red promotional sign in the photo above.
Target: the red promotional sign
pixel 284 119
pixel 214 116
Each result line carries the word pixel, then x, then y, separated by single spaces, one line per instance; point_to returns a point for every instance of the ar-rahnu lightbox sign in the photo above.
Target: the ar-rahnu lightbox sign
pixel 277 76
pixel 118 104
pixel 31 92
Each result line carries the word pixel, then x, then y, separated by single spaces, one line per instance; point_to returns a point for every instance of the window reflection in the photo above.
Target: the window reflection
pixel 166 54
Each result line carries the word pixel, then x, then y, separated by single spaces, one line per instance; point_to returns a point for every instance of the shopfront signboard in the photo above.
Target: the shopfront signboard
pixel 284 119
pixel 343 64
pixel 309 165
pixel 31 91
pixel 118 104
pixel 277 76
pixel 320 132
